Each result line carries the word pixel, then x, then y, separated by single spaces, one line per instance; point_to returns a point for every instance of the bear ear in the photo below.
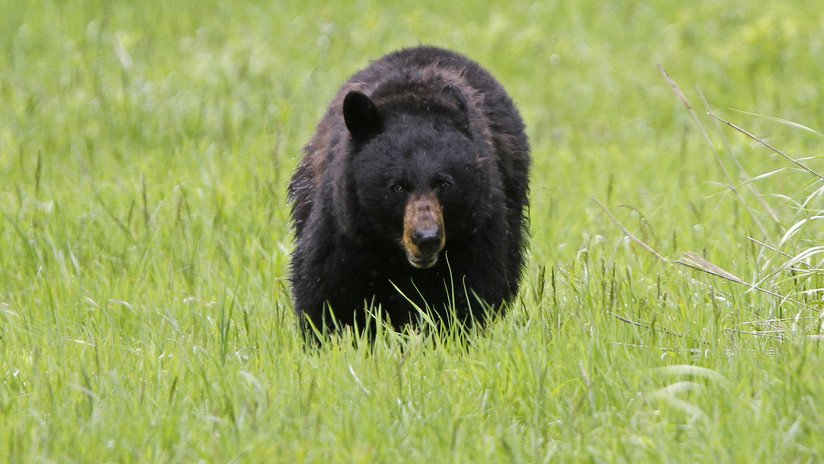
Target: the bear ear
pixel 457 97
pixel 461 104
pixel 361 116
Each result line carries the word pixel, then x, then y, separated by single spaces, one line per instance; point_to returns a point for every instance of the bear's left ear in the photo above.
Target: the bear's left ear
pixel 457 96
pixel 461 104
pixel 361 116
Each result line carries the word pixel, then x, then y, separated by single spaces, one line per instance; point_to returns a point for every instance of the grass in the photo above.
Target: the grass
pixel 144 313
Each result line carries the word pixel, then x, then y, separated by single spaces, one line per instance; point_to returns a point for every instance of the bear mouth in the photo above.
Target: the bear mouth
pixel 422 262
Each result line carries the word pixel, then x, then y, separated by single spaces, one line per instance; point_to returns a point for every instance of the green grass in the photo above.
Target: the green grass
pixel 144 240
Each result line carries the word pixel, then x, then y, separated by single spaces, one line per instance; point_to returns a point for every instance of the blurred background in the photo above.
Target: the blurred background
pixel 119 105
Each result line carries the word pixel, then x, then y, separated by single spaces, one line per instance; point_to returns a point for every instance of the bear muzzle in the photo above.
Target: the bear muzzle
pixel 423 231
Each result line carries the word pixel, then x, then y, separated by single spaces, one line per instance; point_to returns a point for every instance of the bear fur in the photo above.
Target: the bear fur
pixel 412 192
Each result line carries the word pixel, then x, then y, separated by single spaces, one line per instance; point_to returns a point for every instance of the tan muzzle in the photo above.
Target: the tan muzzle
pixel 423 234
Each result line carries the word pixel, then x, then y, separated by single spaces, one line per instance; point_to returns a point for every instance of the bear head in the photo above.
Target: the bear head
pixel 421 172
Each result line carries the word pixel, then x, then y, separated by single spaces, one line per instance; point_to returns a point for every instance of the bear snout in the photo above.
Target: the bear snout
pixel 423 232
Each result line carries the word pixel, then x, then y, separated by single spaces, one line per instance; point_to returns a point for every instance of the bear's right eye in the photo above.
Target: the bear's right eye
pixel 398 187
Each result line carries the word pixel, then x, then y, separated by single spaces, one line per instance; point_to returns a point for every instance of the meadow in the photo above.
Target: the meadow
pixel 672 305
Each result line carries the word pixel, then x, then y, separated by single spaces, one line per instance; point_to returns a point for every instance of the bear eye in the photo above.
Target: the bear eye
pixel 443 184
pixel 398 187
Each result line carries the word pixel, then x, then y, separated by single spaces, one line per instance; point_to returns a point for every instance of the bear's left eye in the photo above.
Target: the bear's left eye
pixel 443 184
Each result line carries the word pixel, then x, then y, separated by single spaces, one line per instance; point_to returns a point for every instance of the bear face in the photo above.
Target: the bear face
pixel 418 178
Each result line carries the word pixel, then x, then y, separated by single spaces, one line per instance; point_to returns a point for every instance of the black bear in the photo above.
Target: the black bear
pixel 411 195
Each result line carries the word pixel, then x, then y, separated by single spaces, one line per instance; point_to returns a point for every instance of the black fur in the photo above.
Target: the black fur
pixel 418 120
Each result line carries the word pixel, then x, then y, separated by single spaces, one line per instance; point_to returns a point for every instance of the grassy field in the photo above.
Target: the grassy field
pixel 144 311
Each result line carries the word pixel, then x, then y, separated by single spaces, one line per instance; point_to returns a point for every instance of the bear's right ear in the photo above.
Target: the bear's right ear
pixel 361 116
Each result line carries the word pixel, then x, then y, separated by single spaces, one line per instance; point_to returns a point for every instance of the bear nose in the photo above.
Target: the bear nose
pixel 427 240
